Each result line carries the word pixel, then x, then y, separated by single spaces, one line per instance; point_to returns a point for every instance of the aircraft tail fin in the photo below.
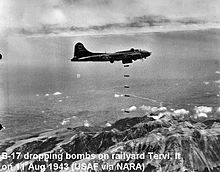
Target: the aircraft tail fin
pixel 81 51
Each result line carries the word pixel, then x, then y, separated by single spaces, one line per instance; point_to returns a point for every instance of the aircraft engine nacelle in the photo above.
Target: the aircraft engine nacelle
pixel 136 56
pixel 111 60
pixel 124 61
pixel 127 59
pixel 106 57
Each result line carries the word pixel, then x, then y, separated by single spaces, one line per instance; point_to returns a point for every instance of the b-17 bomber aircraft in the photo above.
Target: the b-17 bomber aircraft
pixel 81 54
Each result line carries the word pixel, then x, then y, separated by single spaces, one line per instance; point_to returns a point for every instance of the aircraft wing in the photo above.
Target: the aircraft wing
pixel 99 57
pixel 86 58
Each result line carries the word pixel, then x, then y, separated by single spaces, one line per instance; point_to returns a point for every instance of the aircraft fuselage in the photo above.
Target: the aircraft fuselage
pixel 83 55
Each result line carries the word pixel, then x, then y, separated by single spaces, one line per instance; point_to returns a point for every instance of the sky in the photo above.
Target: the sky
pixel 30 17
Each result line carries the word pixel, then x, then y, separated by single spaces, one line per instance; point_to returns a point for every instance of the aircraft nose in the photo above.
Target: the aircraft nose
pixel 146 53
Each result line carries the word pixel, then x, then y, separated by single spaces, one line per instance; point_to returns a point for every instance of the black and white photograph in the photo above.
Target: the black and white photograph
pixel 109 85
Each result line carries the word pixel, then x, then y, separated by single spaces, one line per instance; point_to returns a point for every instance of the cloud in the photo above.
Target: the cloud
pixel 217 72
pixel 181 112
pixel 78 75
pixel 162 112
pixel 86 123
pixel 57 93
pixel 132 108
pixel 218 110
pixel 65 121
pixel 162 109
pixel 201 115
pixel 156 117
pixel 149 24
pixel 147 20
pixel 151 109
pixel 29 14
pixel 118 95
pixel 61 16
pixel 202 109
pixel 108 124
pixel 188 21
pixel 206 82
